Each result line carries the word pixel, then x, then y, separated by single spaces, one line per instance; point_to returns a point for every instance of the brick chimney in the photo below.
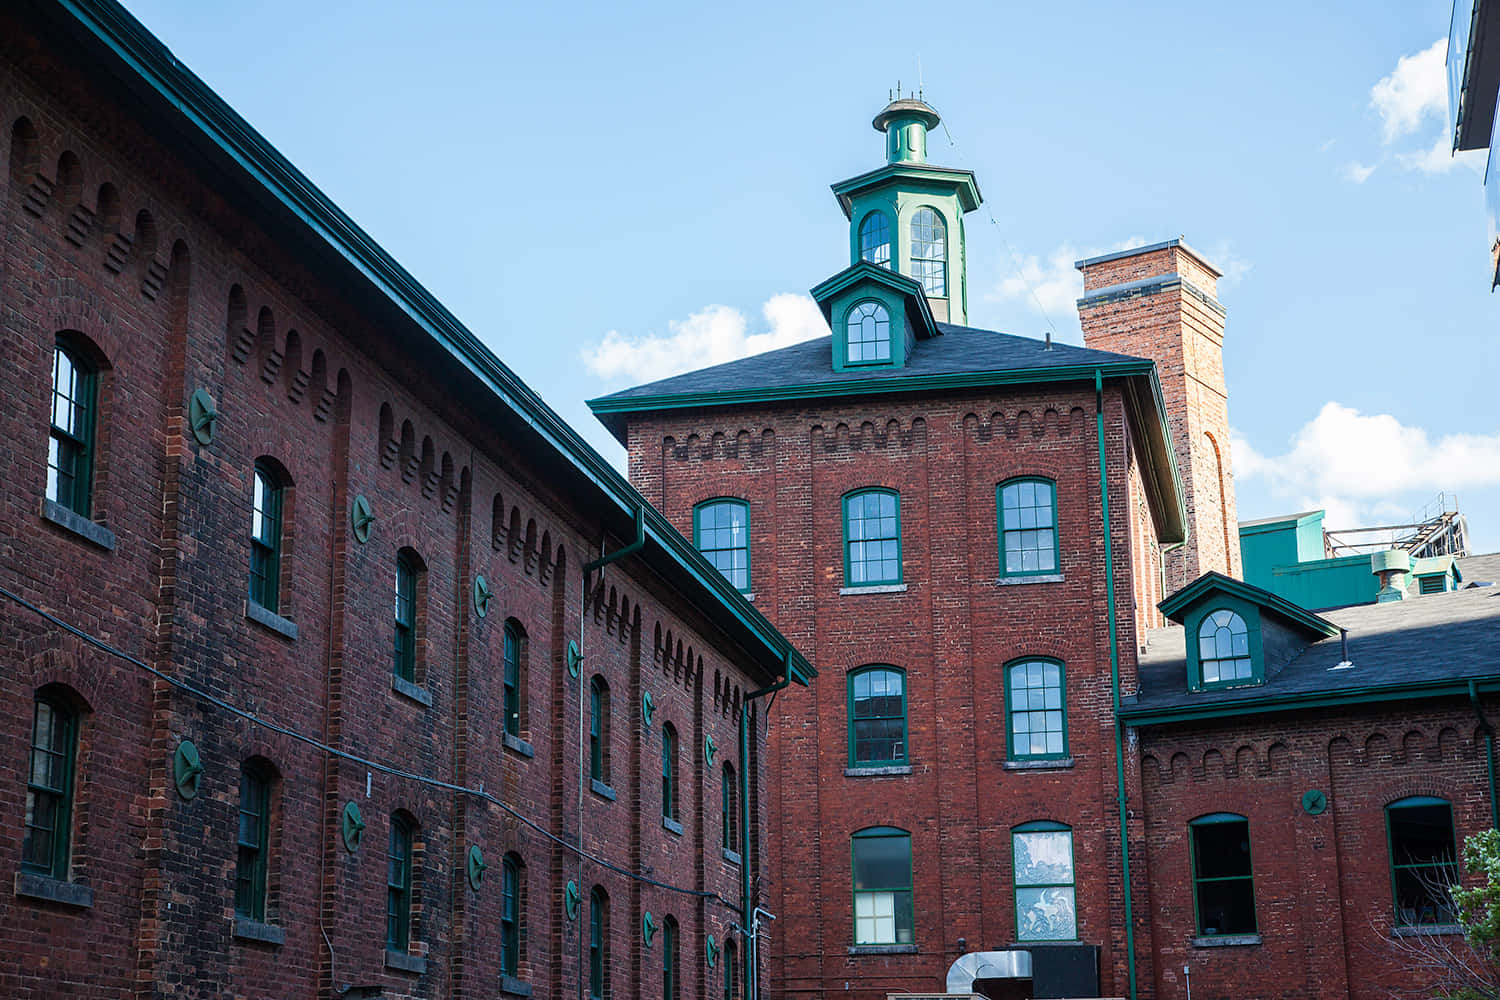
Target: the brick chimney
pixel 1159 302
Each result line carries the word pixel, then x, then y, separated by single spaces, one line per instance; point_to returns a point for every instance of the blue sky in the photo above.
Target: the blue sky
pixel 609 193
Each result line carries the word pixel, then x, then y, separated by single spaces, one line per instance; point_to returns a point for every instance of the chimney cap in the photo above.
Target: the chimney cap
pixel 1180 243
pixel 906 107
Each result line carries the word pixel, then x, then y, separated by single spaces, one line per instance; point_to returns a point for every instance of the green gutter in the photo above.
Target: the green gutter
pixel 1489 750
pixel 746 917
pixel 1114 677
pixel 1146 716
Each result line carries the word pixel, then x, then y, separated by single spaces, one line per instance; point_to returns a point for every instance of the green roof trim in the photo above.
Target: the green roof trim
pixel 962 181
pixel 209 120
pixel 1212 582
pixel 1259 705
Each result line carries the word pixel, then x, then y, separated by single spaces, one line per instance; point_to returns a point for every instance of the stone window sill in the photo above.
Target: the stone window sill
pixel 875 772
pixel 670 824
pixel 1013 581
pixel 874 588
pixel 415 692
pixel 53 890
pixel 403 962
pixel 254 930
pixel 882 949
pixel 77 524
pixel 519 745
pixel 1055 764
pixel 602 790
pixel 267 618
pixel 512 987
pixel 1226 940
pixel 733 857
pixel 1427 930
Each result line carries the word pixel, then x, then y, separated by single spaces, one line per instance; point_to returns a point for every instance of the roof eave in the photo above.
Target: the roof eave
pixel 1146 715
pixel 1211 581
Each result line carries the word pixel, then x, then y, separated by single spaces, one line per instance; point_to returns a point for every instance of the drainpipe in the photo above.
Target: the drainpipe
pixel 629 550
pixel 1114 678
pixel 752 945
pixel 1489 750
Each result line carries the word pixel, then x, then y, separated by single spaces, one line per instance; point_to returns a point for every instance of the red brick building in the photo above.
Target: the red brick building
pixel 980 540
pixel 231 764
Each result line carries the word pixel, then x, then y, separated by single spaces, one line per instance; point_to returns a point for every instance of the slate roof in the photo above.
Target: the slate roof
pixel 1441 639
pixel 961 349
pixel 1480 569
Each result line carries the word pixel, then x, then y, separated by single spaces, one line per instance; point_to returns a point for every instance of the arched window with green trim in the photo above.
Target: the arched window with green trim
pixel 1028 527
pixel 598 943
pixel 1424 860
pixel 1223 877
pixel 398 883
pixel 1224 649
pixel 877 716
pixel 731 811
pixel 1036 715
pixel 70 447
pixel 867 333
pixel 265 535
pixel 731 970
pixel 46 841
pixel 669 772
pixel 510 914
pixel 721 531
pixel 1042 863
pixel 514 652
pixel 929 252
pixel 253 839
pixel 671 964
pixel 881 866
pixel 409 572
pixel 872 537
pixel 599 730
pixel 875 238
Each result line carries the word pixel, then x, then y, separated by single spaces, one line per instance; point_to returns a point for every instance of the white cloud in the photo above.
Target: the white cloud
pixel 1367 468
pixel 1414 91
pixel 1440 158
pixel 1327 146
pixel 711 336
pixel 1052 285
pixel 1358 172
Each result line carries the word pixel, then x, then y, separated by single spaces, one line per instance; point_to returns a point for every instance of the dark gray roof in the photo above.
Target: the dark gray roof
pixel 1483 568
pixel 961 349
pixel 1441 638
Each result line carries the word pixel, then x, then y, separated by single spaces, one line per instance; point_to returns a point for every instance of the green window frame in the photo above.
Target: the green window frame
pixel 1223 875
pixel 1224 653
pixel 510 923
pixel 1044 882
pixel 408 569
pixel 929 251
pixel 669 772
pixel 253 841
pixel 599 729
pixel 514 648
pixel 1423 855
pixel 265 537
pixel 70 442
pixel 731 810
pixel 398 881
pixel 1027 513
pixel 1036 709
pixel 721 532
pixel 867 333
pixel 877 716
pixel 880 866
pixel 872 537
pixel 731 970
pixel 46 842
pixel 598 942
pixel 875 238
pixel 671 984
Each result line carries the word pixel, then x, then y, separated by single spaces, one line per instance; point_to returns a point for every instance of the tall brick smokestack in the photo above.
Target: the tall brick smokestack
pixel 1159 302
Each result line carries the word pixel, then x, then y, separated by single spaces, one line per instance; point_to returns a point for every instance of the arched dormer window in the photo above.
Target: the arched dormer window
pixel 929 252
pixel 875 239
pixel 867 334
pixel 1224 649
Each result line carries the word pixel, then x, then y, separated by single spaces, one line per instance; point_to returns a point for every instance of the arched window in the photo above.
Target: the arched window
pixel 1036 710
pixel 408 573
pixel 669 773
pixel 1224 648
pixel 70 448
pixel 45 845
pixel 671 985
pixel 1028 527
pixel 721 531
pixel 254 840
pixel 881 863
pixel 598 942
pixel 510 918
pixel 1424 860
pixel 1042 856
pixel 398 881
pixel 515 646
pixel 265 536
pixel 929 252
pixel 599 730
pixel 872 538
pixel 867 334
pixel 875 239
pixel 731 970
pixel 1223 880
pixel 731 816
pixel 877 717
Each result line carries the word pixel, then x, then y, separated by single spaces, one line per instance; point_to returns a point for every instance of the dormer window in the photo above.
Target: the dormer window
pixel 875 239
pixel 868 339
pixel 1224 648
pixel 929 252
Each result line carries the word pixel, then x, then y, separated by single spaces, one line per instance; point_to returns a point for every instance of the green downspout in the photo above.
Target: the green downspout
pixel 751 950
pixel 1114 676
pixel 1489 749
pixel 629 550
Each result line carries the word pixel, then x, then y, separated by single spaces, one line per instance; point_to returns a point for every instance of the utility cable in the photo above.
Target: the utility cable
pixel 387 769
